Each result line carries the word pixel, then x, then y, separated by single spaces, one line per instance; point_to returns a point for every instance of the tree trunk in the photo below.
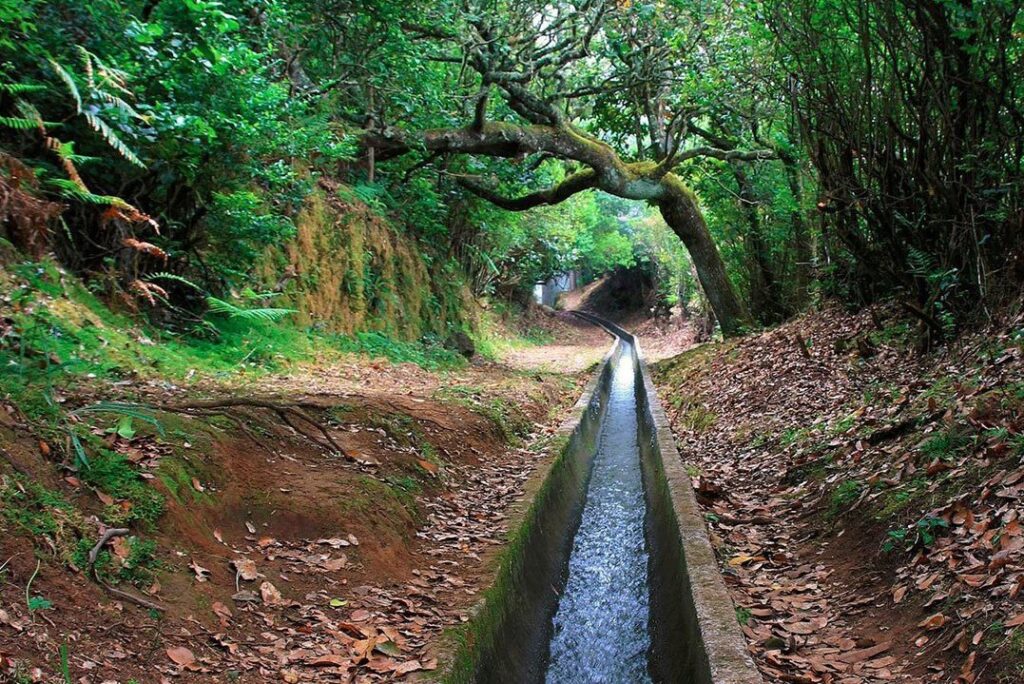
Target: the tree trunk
pixel 765 295
pixel 679 208
pixel 801 236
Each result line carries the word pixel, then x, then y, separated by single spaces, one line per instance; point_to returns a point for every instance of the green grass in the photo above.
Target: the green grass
pixel 427 353
pixel 947 444
pixel 843 497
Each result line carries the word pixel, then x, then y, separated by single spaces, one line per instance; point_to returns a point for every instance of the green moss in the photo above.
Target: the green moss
pixel 31 508
pixel 176 474
pixel 508 418
pixel 114 474
pixel 843 497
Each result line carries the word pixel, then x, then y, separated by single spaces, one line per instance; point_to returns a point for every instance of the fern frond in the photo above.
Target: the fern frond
pixel 118 103
pixel 71 190
pixel 147 248
pixel 136 411
pixel 86 58
pixel 101 127
pixel 263 315
pixel 18 124
pixel 29 111
pixel 69 83
pixel 21 88
pixel 63 152
pixel 176 278
pixel 109 75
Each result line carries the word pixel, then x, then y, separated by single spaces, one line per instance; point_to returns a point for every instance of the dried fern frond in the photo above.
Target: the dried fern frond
pixel 62 152
pixel 144 247
pixel 148 291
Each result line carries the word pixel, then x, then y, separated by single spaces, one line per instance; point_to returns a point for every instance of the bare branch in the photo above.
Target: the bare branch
pixel 726 155
pixel 576 183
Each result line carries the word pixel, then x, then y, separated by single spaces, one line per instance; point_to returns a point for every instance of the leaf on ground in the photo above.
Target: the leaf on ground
pixel 271 596
pixel 935 621
pixel 246 568
pixel 201 573
pixel 181 656
pixel 331 659
pixel 222 611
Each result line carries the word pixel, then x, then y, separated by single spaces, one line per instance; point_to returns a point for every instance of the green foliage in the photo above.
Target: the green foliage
pixel 256 315
pixel 921 533
pixel 843 497
pixel 427 353
pixel 947 444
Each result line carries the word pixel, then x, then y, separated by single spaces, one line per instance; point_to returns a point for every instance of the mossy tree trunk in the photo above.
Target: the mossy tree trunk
pixel 604 170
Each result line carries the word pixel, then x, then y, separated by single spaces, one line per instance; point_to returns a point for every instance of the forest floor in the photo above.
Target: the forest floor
pixel 864 499
pixel 333 523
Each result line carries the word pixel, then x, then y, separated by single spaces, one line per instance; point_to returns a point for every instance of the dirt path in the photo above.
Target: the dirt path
pixel 333 527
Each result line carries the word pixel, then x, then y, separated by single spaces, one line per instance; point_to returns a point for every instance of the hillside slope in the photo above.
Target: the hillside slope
pixel 864 501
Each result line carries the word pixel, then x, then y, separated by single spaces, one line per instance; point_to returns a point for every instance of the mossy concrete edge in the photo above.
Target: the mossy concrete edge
pixel 506 639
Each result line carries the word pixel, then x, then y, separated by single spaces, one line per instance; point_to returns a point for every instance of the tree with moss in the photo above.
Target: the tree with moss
pixel 528 79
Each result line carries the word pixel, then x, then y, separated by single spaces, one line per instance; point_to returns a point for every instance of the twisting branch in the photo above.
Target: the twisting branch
pixel 480 109
pixel 578 182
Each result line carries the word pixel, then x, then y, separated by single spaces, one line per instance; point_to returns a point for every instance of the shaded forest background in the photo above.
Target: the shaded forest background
pixel 183 154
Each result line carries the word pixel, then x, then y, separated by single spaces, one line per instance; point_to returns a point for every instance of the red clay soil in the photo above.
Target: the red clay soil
pixel 330 535
pixel 864 499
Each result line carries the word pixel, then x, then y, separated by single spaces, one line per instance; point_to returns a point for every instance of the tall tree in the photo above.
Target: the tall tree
pixel 529 73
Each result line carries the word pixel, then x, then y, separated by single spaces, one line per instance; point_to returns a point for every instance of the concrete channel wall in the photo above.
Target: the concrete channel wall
pixel 506 641
pixel 694 633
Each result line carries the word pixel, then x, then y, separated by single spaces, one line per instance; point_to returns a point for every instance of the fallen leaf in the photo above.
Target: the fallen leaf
pixel 330 659
pixel 271 596
pixel 245 568
pixel 181 656
pixel 200 572
pixel 1015 621
pixel 935 621
pixel 222 611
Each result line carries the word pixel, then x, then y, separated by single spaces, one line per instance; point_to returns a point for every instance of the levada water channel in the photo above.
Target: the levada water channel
pixel 608 576
pixel 601 626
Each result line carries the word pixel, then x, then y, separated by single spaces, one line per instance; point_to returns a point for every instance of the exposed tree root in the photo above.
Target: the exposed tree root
pixel 95 552
pixel 282 409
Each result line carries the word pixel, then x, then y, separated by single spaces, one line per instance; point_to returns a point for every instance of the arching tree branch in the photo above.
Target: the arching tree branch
pixel 578 182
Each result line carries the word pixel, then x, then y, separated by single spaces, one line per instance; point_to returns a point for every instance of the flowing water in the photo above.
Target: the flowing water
pixel 601 626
